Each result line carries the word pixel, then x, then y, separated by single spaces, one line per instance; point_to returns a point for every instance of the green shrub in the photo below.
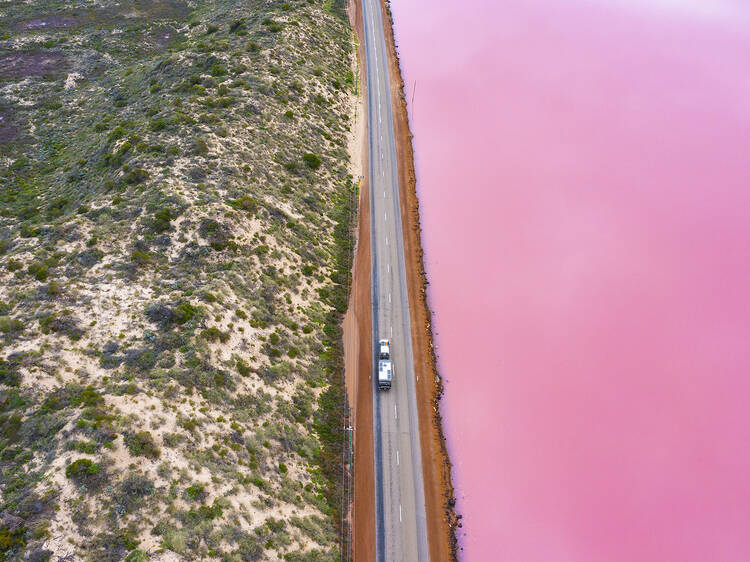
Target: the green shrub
pixel 57 207
pixel 28 231
pixel 237 25
pixel 173 439
pixel 10 325
pixel 185 312
pixel 162 220
pixel 260 483
pixel 40 271
pixel 54 289
pixel 312 160
pixel 216 233
pixel 195 492
pixel 62 323
pixel 108 546
pixel 136 176
pixel 142 444
pixel 131 492
pixel 85 447
pixel 243 368
pixel 115 159
pixel 8 374
pixel 199 146
pixel 213 334
pixel 218 69
pixel 136 556
pixel 208 296
pixel 82 470
pixel 10 540
pixel 13 265
pixel 158 125
pixel 140 257
pixel 116 133
pixel 272 26
pixel 245 203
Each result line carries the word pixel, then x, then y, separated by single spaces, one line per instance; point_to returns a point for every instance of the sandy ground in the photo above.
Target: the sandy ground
pixel 442 520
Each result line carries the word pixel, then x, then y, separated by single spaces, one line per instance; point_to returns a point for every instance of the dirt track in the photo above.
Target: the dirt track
pixel 358 351
pixel 439 499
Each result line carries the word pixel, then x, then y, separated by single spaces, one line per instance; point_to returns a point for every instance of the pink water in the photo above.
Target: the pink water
pixel 584 174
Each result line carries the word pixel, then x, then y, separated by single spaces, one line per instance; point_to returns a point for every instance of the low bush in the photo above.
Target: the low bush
pixel 9 375
pixel 245 203
pixel 136 176
pixel 213 334
pixel 162 220
pixel 140 257
pixel 40 271
pixel 216 233
pixel 195 492
pixel 130 494
pixel 142 444
pixel 86 447
pixel 112 546
pixel 173 439
pixel 10 325
pixel 82 470
pixel 158 125
pixel 243 368
pixel 185 312
pixel 61 323
pixel 312 160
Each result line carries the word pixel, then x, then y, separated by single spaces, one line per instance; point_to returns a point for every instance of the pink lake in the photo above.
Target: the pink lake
pixel 584 175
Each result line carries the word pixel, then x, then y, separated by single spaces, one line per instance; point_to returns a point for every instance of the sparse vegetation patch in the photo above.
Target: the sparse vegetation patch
pixel 175 237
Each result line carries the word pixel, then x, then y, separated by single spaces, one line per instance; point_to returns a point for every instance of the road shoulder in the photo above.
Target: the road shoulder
pixel 358 340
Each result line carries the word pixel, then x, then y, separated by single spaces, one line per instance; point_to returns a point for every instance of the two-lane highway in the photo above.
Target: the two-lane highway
pixel 401 532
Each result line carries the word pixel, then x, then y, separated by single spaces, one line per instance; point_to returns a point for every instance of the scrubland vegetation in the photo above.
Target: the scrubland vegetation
pixel 175 241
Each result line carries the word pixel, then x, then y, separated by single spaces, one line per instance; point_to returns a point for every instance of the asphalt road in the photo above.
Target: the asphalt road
pixel 401 532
